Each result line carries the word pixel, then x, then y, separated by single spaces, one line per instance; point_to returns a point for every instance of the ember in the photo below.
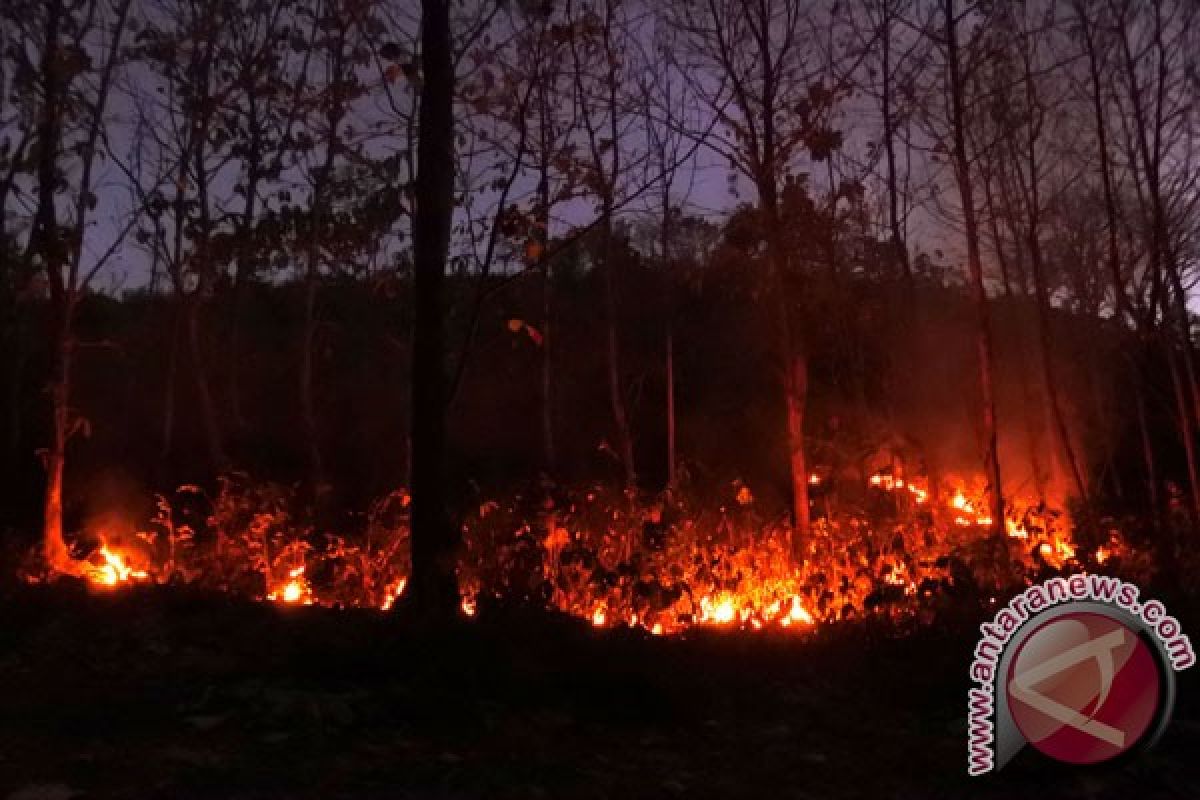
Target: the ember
pixel 108 568
pixel 724 569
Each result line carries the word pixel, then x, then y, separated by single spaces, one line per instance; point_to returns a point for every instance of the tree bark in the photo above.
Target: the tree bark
pixel 45 242
pixel 434 592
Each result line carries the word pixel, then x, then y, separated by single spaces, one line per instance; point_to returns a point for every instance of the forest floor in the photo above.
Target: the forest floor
pixel 165 692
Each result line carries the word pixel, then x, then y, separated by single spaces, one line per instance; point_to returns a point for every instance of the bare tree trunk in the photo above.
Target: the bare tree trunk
pixel 55 546
pixel 669 344
pixel 1148 462
pixel 672 458
pixel 1041 295
pixel 549 457
pixel 1186 429
pixel 983 335
pixel 208 410
pixel 46 243
pixel 616 397
pixel 241 278
pixel 308 412
pixel 1110 203
pixel 794 366
pixel 899 241
pixel 797 401
pixel 168 419
pixel 1032 429
pixel 434 591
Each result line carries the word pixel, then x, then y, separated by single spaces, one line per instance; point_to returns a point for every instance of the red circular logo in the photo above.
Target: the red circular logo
pixel 1084 688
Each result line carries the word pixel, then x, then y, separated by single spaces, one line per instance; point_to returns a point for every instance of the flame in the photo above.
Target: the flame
pixel 797 613
pixel 295 591
pixel 113 571
pixel 392 594
pixel 743 576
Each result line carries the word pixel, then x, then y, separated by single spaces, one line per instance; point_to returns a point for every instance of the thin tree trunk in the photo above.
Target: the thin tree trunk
pixel 55 550
pixel 899 243
pixel 672 477
pixel 1032 429
pixel 983 336
pixel 669 344
pixel 797 401
pixel 308 412
pixel 213 437
pixel 1148 462
pixel 45 242
pixel 1110 203
pixel 549 457
pixel 1041 295
pixel 434 592
pixel 616 398
pixel 1186 430
pixel 168 419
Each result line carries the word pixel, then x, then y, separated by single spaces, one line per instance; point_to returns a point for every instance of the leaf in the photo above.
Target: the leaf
pixel 518 325
pixel 533 251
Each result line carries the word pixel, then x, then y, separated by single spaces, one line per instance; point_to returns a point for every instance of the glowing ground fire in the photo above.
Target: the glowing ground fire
pixel 608 562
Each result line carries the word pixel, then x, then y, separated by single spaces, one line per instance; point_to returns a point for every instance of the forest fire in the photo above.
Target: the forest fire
pixel 606 560
pixel 108 568
pixel 294 591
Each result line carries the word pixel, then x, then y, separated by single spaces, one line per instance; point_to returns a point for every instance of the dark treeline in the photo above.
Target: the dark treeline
pixel 646 243
pixel 882 389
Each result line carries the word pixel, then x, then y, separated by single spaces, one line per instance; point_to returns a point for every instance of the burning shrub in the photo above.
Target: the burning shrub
pixel 660 563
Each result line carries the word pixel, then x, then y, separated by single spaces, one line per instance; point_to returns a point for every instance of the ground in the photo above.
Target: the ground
pixel 165 692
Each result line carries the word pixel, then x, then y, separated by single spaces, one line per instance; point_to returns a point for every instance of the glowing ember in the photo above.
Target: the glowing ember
pixel 611 564
pixel 721 611
pixel 390 596
pixel 797 613
pixel 295 591
pixel 113 570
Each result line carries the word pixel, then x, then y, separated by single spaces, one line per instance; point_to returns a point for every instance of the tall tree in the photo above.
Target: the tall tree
pixel 602 49
pixel 79 55
pixel 956 97
pixel 747 60
pixel 434 591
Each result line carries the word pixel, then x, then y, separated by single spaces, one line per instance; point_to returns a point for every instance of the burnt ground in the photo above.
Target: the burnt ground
pixel 164 692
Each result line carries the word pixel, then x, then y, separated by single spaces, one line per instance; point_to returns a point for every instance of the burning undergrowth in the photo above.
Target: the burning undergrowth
pixel 661 564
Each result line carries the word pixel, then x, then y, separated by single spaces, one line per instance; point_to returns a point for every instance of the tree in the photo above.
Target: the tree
pixel 601 48
pixel 433 587
pixel 746 60
pixel 955 95
pixel 80 52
